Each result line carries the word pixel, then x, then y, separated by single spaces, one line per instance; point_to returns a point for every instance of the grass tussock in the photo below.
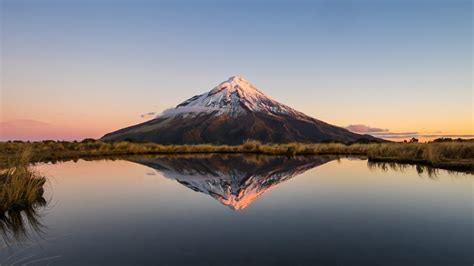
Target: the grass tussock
pixel 20 186
pixel 21 194
pixel 447 154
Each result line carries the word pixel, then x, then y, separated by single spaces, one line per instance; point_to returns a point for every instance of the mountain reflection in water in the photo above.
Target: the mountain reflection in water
pixel 234 180
pixel 112 211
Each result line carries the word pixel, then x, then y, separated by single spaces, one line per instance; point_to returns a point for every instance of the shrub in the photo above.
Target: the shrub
pixel 251 145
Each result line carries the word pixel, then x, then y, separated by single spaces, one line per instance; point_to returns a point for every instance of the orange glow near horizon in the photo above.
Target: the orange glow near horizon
pixel 29 129
pixel 77 125
pixel 81 76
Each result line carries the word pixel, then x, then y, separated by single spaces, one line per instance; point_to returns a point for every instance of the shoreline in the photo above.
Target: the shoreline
pixel 458 156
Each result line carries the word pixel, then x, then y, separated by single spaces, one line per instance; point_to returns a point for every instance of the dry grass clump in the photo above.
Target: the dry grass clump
pixel 21 194
pixel 20 187
pixel 435 152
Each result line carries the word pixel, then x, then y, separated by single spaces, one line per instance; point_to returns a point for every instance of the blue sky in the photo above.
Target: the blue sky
pixel 400 65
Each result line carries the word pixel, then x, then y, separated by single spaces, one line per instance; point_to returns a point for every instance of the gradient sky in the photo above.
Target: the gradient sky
pixel 76 69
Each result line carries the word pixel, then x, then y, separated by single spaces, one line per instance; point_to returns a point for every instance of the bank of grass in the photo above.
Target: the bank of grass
pixel 20 186
pixel 455 155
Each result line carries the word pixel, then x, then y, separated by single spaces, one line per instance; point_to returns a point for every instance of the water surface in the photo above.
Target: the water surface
pixel 246 210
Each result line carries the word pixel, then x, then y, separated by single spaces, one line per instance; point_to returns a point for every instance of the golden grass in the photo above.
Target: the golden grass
pixel 20 186
pixel 450 155
pixel 21 194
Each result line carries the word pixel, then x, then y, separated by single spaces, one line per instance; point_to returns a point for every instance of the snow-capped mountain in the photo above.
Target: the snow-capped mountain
pixel 234 180
pixel 230 113
pixel 233 97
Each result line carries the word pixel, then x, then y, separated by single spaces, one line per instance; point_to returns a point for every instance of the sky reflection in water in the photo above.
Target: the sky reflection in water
pixel 253 210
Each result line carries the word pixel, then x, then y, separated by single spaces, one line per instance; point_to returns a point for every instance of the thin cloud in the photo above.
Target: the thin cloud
pixel 404 136
pixel 26 129
pixel 148 114
pixel 24 123
pixel 359 128
pixel 395 133
pixel 183 110
pixel 387 134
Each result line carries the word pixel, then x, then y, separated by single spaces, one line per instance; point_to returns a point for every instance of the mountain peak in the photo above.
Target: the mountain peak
pixel 239 80
pixel 236 84
pixel 235 96
pixel 236 77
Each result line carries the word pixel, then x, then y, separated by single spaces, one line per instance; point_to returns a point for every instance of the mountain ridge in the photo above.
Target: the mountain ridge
pixel 230 113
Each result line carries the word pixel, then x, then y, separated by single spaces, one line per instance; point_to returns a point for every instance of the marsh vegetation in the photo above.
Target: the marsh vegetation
pixel 21 195
pixel 455 155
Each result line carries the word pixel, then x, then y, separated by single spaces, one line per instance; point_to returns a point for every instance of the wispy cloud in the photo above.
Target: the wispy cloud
pixel 424 135
pixel 185 109
pixel 23 123
pixel 387 134
pixel 148 115
pixel 25 129
pixel 36 130
pixel 359 128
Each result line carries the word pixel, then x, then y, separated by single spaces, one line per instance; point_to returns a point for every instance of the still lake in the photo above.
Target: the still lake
pixel 245 210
